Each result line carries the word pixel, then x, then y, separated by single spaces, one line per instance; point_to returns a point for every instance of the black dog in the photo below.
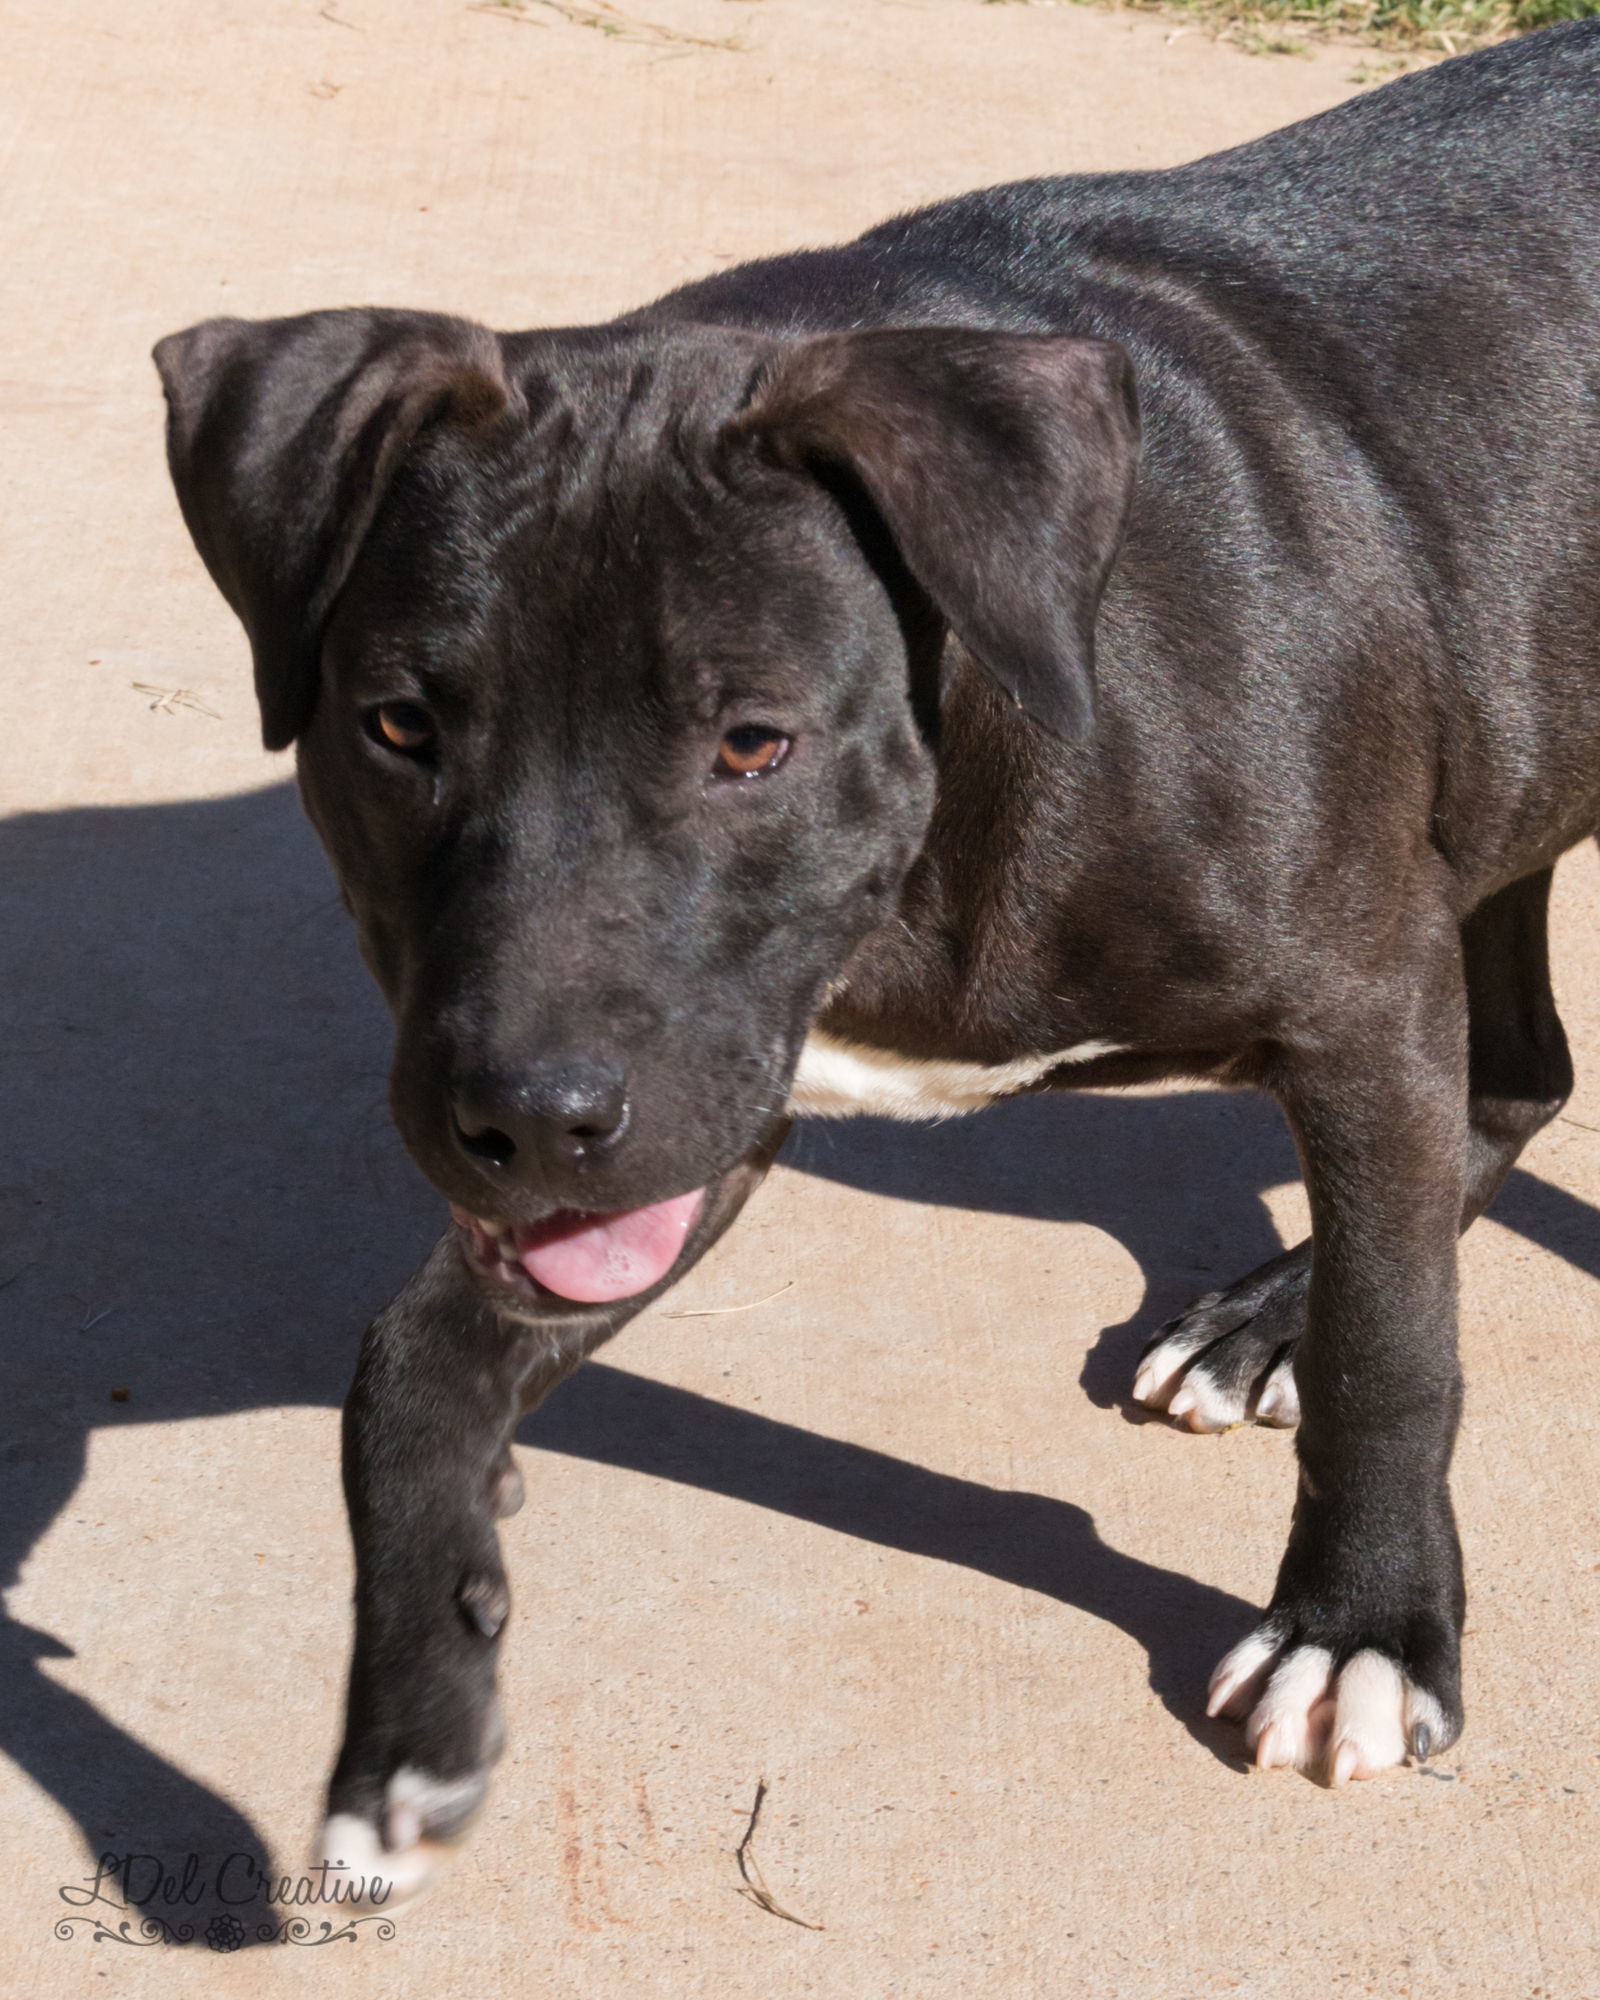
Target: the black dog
pixel 801 694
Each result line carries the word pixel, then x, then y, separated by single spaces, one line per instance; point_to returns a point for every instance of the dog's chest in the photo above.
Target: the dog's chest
pixel 839 1079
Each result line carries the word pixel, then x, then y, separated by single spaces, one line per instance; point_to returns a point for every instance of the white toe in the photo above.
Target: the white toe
pixel 1287 1725
pixel 1369 1719
pixel 1279 1401
pixel 1241 1675
pixel 1161 1368
pixel 1380 1717
pixel 1203 1406
pixel 366 1871
pixel 414 1799
pixel 360 1872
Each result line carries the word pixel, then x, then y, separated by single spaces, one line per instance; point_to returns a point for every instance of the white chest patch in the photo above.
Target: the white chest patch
pixel 838 1079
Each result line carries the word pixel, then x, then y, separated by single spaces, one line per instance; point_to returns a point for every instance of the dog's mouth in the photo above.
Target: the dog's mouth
pixel 584 1258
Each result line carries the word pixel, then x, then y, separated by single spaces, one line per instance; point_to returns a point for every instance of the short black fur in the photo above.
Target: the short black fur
pixel 1182 594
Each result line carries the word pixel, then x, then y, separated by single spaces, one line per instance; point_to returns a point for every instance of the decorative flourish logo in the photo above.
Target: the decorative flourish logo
pixel 225 1932
pixel 140 1900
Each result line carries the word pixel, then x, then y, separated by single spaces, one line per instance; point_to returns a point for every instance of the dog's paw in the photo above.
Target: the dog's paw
pixel 1228 1359
pixel 377 1864
pixel 1302 1713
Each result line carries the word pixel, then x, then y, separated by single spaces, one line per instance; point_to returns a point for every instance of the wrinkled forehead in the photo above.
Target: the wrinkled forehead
pixel 610 527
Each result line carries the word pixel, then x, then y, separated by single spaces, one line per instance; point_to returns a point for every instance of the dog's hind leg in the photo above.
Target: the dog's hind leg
pixel 1228 1357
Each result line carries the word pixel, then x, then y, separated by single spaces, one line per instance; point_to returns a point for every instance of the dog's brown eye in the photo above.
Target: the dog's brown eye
pixel 751 751
pixel 400 725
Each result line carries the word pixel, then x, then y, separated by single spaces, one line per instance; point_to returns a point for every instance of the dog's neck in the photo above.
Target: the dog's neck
pixel 968 970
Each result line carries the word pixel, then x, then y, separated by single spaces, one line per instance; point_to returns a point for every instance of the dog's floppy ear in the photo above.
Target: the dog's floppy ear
pixel 1001 463
pixel 282 436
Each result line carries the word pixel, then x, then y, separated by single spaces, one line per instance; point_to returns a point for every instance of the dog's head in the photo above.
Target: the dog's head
pixel 613 660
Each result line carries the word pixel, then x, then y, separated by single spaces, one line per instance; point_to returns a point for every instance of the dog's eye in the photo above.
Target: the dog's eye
pixel 751 751
pixel 400 725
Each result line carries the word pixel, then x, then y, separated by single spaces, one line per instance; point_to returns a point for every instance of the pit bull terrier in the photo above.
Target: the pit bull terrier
pixel 1120 627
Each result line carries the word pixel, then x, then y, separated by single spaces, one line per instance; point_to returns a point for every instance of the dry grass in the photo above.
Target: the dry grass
pixel 1433 27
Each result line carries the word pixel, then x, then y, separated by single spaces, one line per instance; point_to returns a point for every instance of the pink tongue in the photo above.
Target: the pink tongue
pixel 593 1258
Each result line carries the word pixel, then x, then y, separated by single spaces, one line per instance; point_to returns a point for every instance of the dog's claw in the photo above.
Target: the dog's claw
pixel 487 1603
pixel 509 1492
pixel 1279 1402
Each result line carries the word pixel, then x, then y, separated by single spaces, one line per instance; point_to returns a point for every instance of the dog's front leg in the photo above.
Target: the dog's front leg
pixel 446 1372
pixel 442 1380
pixel 1357 1660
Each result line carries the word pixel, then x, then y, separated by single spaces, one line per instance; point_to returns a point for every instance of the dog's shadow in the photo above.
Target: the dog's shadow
pixel 1176 1179
pixel 201 1203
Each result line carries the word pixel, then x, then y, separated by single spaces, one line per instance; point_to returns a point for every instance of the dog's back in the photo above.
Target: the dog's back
pixel 1367 345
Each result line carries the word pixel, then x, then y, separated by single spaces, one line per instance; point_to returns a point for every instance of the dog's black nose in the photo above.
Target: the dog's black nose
pixel 556 1113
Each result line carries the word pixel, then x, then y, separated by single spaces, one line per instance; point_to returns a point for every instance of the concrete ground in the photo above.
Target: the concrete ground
pixel 889 1540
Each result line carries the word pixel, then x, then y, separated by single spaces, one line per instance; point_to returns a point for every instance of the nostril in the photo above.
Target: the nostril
pixel 576 1099
pixel 598 1122
pixel 488 1143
